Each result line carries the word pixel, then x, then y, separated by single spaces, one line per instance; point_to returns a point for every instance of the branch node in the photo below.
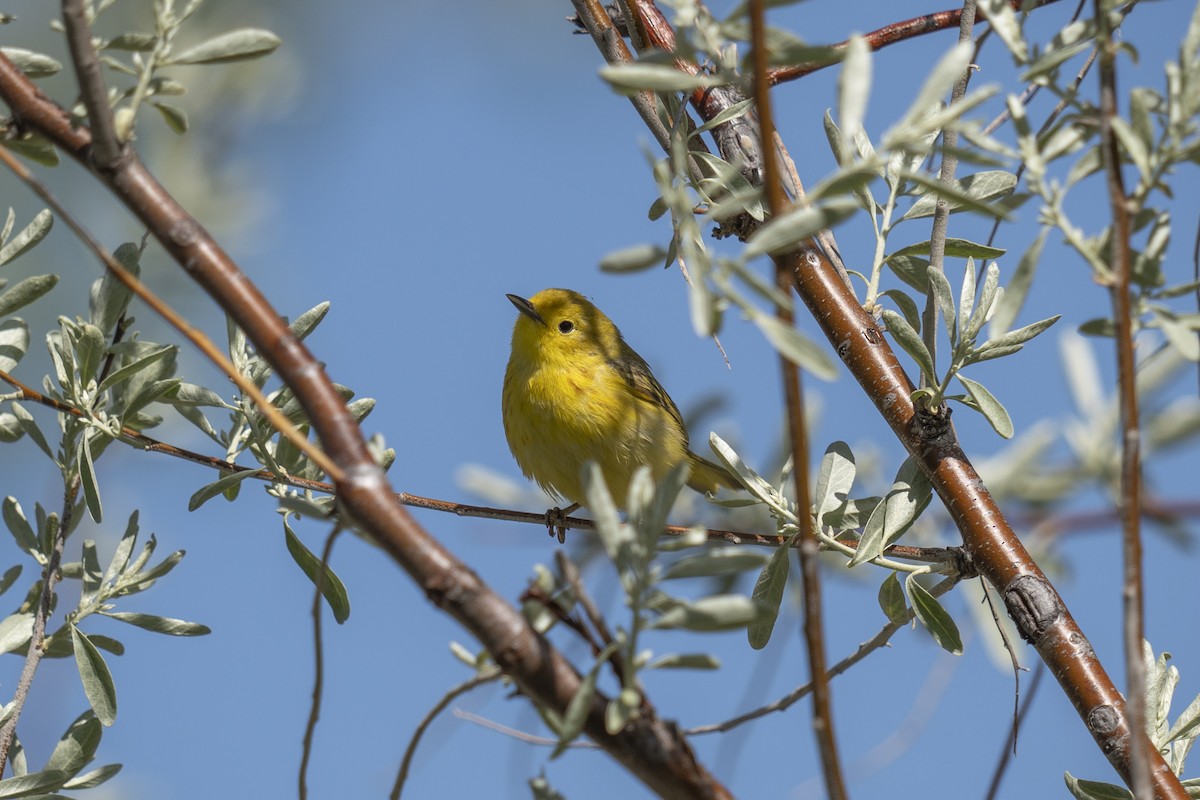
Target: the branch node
pixel 1033 605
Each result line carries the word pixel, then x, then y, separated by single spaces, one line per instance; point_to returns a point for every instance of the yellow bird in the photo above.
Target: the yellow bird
pixel 574 392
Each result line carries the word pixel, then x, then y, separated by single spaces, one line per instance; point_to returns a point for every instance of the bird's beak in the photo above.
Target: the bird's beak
pixel 526 308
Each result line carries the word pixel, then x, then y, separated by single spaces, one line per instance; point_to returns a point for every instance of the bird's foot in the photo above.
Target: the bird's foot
pixel 556 521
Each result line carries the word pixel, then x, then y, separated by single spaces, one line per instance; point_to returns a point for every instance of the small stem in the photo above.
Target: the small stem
pixel 33 657
pixel 941 213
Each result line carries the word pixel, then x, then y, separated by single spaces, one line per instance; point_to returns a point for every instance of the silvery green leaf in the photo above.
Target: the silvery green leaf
pixel 236 45
pixel 31 64
pixel 911 270
pixel 1182 337
pixel 194 395
pixel 989 406
pixel 891 600
pixel 795 346
pixel 27 423
pixel 1074 38
pixel 97 680
pixel 714 613
pixel 133 42
pixel 134 367
pixel 156 624
pixel 9 577
pixel 21 530
pixel 725 115
pixel 904 502
pixel 768 594
pixel 15 631
pixel 944 296
pixel 14 343
pixel 633 259
pixel 614 535
pixel 175 117
pixel 972 193
pixel 304 324
pixel 931 614
pixel 911 342
pixel 908 308
pixel 939 82
pixel 10 428
pixel 1186 725
pixel 33 233
pixel 121 555
pixel 77 746
pixel 955 248
pixel 1003 20
pixel 1013 339
pixel 1095 790
pixel 685 661
pixel 206 493
pixel 571 724
pixel 794 227
pixel 1018 288
pixel 640 76
pixel 750 479
pixel 26 292
pixel 1132 144
pixel 33 785
pixel 854 87
pixel 835 477
pixel 93 778
pixel 109 297
pixel 87 478
pixel 987 298
pixel 718 561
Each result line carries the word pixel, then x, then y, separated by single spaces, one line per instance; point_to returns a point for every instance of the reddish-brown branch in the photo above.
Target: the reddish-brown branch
pixel 808 550
pixel 888 35
pixel 1040 614
pixel 1129 502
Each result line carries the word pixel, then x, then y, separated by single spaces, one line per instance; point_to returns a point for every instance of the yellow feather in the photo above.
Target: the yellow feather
pixel 574 392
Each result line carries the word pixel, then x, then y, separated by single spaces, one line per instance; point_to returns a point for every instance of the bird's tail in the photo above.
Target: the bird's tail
pixel 708 477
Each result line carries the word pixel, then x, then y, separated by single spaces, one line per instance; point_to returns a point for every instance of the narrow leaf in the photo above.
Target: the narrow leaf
pixel 908 339
pixel 332 588
pixel 97 680
pixel 935 619
pixel 206 493
pixel 237 45
pixel 989 406
pixel 768 594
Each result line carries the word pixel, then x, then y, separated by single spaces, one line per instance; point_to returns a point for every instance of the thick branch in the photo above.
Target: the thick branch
pixel 1040 614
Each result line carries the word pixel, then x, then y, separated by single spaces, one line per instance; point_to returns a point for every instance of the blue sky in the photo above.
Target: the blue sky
pixel 415 163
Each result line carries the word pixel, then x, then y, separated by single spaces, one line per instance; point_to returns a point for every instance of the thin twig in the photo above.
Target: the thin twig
pixel 1012 660
pixel 877 641
pixel 807 551
pixel 1010 745
pixel 486 676
pixel 941 212
pixel 1129 498
pixel 37 640
pixel 107 149
pixel 314 711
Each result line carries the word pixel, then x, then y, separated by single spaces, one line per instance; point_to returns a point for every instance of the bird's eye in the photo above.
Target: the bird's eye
pixel 566 326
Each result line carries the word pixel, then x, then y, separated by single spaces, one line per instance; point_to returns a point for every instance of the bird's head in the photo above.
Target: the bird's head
pixel 559 324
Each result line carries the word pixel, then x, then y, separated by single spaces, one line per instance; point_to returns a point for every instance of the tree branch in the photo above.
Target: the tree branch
pixel 808 550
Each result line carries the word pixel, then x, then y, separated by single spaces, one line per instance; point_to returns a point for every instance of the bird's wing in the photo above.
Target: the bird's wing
pixel 636 373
